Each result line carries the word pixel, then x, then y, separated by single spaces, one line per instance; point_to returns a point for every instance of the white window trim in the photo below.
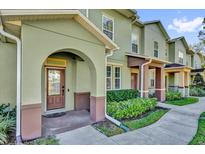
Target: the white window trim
pixel 119 77
pixel 111 77
pixel 113 32
pixel 135 43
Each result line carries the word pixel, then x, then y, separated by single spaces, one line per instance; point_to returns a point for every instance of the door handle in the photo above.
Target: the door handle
pixel 68 89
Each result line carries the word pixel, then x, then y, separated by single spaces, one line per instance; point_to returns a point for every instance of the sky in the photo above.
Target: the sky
pixel 177 22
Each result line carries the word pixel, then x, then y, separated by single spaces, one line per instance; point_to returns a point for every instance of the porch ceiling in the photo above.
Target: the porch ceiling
pixel 12 22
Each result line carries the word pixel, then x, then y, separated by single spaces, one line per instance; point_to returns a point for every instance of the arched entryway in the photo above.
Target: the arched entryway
pixel 67 80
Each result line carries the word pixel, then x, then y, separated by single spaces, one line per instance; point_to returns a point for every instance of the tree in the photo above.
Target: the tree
pixel 202 33
pixel 198 80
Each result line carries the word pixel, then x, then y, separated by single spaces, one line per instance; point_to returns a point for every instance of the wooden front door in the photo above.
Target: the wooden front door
pixel 55 88
pixel 134 80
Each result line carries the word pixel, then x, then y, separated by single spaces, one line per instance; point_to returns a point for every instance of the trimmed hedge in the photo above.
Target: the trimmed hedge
pixel 121 95
pixel 131 108
pixel 173 95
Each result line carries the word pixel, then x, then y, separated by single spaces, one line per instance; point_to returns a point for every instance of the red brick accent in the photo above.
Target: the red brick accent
pixel 160 84
pixel 97 108
pixel 30 121
pixel 82 100
pixel 146 80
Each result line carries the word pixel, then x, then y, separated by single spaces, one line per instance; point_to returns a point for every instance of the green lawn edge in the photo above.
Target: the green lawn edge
pixel 199 138
pixel 184 101
pixel 145 121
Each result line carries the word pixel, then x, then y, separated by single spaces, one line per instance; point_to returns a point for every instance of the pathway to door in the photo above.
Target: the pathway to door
pixel 178 127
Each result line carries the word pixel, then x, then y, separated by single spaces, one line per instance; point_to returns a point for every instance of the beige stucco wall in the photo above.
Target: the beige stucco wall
pixel 52 36
pixel 153 33
pixel 7 73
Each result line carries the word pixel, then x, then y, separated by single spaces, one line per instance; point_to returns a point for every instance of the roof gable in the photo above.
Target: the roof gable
pixel 161 27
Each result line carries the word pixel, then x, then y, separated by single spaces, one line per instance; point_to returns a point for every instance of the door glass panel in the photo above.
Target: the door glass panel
pixel 53 82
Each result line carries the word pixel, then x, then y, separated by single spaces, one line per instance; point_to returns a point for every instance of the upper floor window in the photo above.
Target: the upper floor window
pixel 109 77
pixel 117 77
pixel 108 27
pixel 156 48
pixel 181 56
pixel 134 43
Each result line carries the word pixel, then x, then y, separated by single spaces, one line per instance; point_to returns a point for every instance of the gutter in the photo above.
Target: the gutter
pixel 142 77
pixel 18 81
pixel 118 123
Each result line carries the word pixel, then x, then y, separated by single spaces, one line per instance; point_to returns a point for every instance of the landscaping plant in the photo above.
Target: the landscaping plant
pixel 50 140
pixel 121 95
pixel 7 122
pixel 173 95
pixel 196 91
pixel 130 108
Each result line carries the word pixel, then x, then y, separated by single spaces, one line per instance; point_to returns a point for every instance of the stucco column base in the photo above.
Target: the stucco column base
pixel 160 94
pixel 182 91
pixel 146 94
pixel 186 91
pixel 97 108
pixel 31 121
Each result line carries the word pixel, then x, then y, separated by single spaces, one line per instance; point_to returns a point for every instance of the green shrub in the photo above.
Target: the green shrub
pixel 196 91
pixel 7 125
pixel 173 95
pixel 7 110
pixel 121 95
pixel 7 122
pixel 130 108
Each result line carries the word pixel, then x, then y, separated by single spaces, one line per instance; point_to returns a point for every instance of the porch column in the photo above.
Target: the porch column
pixel 97 108
pixel 181 83
pixel 145 81
pixel 186 82
pixel 31 121
pixel 160 84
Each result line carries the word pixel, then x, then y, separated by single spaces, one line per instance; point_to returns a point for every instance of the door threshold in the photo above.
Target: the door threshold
pixel 54 111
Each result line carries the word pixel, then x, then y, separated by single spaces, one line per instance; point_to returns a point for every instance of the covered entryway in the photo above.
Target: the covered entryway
pixel 178 78
pixel 153 66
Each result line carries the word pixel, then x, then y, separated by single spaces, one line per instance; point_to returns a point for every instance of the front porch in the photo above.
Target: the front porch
pixel 153 65
pixel 65 121
pixel 178 78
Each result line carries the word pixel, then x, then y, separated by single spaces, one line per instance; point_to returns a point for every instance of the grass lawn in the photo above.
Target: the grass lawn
pixel 51 140
pixel 183 101
pixel 108 128
pixel 145 121
pixel 199 138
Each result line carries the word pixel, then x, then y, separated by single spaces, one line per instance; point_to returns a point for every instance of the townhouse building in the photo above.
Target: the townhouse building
pixel 61 60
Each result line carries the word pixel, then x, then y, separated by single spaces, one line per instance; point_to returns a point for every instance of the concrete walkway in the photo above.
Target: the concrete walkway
pixel 178 126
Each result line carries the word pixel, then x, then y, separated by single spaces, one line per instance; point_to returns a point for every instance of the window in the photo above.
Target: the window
pixel 151 82
pixel 109 77
pixel 134 43
pixel 156 49
pixel 181 55
pixel 117 78
pixel 108 28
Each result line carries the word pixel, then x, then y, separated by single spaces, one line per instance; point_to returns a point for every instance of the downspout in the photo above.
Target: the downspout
pixel 142 77
pixel 118 123
pixel 18 81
